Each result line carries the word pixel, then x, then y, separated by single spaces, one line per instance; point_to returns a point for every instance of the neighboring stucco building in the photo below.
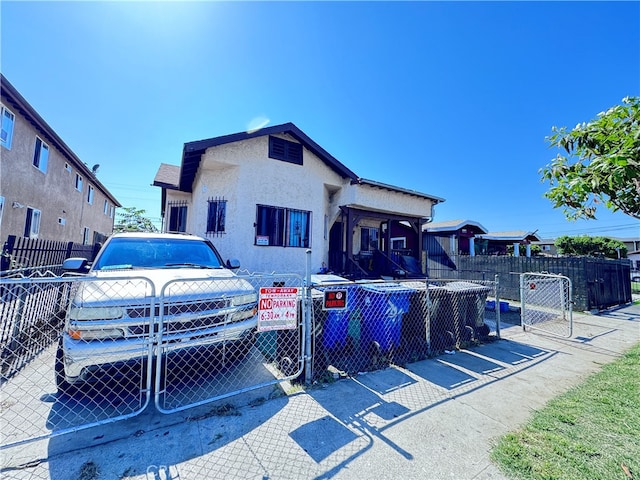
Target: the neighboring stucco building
pixel 265 197
pixel 46 191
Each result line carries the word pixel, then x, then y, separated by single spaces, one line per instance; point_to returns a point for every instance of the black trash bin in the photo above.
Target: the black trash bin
pixel 468 302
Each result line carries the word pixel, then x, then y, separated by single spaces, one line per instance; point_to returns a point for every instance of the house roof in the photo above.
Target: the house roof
pixel 453 226
pixel 193 151
pixel 168 176
pixel 29 113
pixel 515 236
pixel 373 183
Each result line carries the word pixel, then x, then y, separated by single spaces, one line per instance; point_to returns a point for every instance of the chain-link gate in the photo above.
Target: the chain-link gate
pixel 547 303
pixel 211 346
pixel 71 356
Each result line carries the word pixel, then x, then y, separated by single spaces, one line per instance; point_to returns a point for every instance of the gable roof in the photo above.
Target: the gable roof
pixel 29 113
pixel 453 226
pixel 192 152
pixel 515 236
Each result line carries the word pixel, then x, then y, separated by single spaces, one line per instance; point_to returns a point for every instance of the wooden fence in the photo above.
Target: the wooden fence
pixel 598 283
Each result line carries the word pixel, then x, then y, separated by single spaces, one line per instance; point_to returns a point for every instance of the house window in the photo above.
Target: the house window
pixel 78 182
pixel 85 235
pixel 282 227
pixel 177 217
pixel 67 167
pixel 105 209
pixel 1 208
pixel 112 209
pixel 216 216
pixel 6 134
pixel 369 239
pixel 284 150
pixel 41 155
pixel 546 248
pixel 32 223
pixel 398 243
pixel 90 194
pixel 62 221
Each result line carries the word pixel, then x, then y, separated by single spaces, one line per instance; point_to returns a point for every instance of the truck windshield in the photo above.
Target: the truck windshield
pixel 127 253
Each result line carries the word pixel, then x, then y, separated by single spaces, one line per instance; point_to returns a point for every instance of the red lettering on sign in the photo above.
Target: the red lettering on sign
pixel 265 304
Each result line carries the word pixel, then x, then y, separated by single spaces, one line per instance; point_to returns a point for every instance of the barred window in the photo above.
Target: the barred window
pixel 216 216
pixel 283 227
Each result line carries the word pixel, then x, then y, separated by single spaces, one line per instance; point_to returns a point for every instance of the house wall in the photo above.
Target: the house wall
pixel 243 174
pixel 53 193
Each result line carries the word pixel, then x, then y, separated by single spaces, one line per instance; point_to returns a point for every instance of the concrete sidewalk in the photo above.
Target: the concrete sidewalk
pixel 435 419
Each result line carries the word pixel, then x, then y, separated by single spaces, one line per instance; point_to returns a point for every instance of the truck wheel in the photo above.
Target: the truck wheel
pixel 63 387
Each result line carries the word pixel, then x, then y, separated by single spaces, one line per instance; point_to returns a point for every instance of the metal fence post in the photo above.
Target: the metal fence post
pixel 308 374
pixel 497 286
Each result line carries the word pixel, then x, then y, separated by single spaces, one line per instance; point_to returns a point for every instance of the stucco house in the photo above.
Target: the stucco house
pixel 265 197
pixel 46 191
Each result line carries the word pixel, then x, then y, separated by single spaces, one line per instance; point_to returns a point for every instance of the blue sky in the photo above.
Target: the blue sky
pixel 452 99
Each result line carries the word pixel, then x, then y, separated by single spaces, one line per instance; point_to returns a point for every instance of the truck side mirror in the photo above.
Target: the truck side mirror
pixel 233 264
pixel 76 265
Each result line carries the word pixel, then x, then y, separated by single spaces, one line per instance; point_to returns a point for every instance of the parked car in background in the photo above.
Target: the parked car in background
pixel 188 299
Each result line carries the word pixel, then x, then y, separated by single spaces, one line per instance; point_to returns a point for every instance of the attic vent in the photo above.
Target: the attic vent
pixel 284 150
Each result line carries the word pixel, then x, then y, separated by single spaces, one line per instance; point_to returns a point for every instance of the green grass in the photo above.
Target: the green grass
pixel 635 287
pixel 591 432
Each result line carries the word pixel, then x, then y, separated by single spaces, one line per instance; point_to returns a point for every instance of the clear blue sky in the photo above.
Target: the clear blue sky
pixel 450 99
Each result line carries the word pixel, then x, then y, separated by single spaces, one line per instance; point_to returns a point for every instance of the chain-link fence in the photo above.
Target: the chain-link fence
pixel 367 326
pixel 80 351
pixel 547 303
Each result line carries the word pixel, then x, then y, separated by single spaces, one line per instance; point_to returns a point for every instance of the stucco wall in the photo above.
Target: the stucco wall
pixel 53 192
pixel 243 174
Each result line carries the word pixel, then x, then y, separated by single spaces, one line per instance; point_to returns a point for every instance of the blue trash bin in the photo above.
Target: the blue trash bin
pixel 334 323
pixel 383 306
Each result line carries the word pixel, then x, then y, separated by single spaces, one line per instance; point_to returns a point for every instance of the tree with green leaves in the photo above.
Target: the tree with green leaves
pixel 132 219
pixel 591 246
pixel 599 164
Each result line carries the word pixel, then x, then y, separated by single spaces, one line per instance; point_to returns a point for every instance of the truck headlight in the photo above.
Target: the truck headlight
pixel 96 313
pixel 244 299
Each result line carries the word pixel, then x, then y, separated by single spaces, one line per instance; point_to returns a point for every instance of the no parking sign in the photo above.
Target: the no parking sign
pixel 278 308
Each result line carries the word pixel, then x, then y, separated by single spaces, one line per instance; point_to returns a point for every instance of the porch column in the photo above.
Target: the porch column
pixel 528 249
pixel 516 249
pixel 472 246
pixel 453 245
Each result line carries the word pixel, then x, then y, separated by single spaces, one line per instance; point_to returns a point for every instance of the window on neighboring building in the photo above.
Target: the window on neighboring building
pixel 284 150
pixel 112 209
pixel 283 227
pixel 78 182
pixel 41 155
pixel 369 239
pixel 216 216
pixel 6 134
pixel 106 207
pixel 32 223
pixel 1 208
pixel 85 235
pixel 67 167
pixel 62 221
pixel 546 248
pixel 90 194
pixel 178 217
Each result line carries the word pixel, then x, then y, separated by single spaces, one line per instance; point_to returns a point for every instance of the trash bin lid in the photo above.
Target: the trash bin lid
pixel 465 286
pixel 387 288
